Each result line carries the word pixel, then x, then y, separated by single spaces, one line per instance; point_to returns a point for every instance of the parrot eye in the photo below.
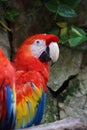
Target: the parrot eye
pixel 37 42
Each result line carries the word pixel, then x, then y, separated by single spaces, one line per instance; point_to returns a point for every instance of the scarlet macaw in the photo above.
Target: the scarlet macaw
pixel 31 64
pixel 7 93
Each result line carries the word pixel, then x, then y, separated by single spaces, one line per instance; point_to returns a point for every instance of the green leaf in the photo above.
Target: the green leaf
pixel 72 3
pixel 11 14
pixel 77 36
pixel 66 11
pixel 38 3
pixel 61 9
pixel 54 31
pixel 62 24
pixel 75 41
pixel 52 6
pixel 64 39
pixel 4 0
pixel 77 31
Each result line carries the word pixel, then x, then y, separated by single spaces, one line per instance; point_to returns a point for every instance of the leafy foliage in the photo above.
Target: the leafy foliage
pixel 77 36
pixel 70 34
pixel 9 12
pixel 71 3
pixel 74 36
pixel 62 8
pixel 67 9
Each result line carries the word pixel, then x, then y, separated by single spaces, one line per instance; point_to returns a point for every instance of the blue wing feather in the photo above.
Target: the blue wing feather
pixel 40 110
pixel 10 120
pixel 9 101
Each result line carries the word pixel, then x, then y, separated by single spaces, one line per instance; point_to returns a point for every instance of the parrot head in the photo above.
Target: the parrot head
pixel 45 47
pixel 41 46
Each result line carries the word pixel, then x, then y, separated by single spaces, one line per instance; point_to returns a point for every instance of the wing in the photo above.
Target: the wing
pixel 7 108
pixel 7 94
pixel 30 99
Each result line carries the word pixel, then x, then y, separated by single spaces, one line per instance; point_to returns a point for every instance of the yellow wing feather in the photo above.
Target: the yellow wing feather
pixel 27 107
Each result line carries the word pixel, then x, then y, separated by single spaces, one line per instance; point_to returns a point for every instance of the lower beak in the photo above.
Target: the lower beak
pixel 45 56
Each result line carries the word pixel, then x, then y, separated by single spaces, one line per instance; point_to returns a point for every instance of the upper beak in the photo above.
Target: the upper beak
pixel 54 51
pixel 51 53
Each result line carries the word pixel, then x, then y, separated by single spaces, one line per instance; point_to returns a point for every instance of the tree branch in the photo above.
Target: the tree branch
pixel 65 124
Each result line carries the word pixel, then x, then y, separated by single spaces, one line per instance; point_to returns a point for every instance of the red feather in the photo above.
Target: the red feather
pixel 7 78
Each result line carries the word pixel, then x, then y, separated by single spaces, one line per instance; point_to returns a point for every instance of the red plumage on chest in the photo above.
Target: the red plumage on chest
pixel 36 72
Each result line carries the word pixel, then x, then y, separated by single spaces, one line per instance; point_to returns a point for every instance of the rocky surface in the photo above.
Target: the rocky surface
pixel 75 104
pixel 4 42
pixel 68 64
pixel 32 19
pixel 71 100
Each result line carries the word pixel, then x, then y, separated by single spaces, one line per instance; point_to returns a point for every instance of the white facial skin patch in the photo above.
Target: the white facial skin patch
pixel 38 47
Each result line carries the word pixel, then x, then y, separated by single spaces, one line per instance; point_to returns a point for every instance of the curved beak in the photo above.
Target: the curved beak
pixel 51 53
pixel 54 52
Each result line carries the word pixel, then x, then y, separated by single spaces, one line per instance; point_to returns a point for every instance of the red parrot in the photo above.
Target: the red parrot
pixel 7 93
pixel 28 80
